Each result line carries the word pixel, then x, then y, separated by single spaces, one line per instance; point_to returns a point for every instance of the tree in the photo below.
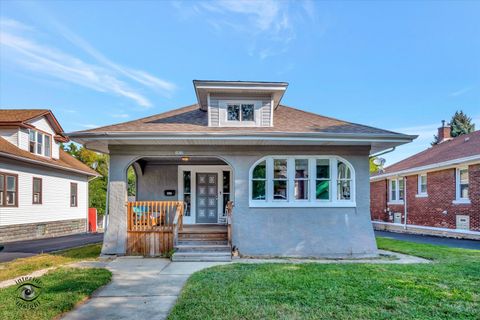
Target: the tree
pixel 373 167
pixel 461 124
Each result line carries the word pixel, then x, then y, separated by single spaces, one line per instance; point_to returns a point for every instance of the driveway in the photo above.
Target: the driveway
pixel 28 248
pixel 442 241
pixel 141 288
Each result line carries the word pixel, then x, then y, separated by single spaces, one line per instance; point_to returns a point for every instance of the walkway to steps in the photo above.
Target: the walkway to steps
pixel 207 242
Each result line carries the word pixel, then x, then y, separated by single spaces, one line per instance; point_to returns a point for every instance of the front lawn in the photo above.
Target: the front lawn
pixel 24 266
pixel 60 290
pixel 449 288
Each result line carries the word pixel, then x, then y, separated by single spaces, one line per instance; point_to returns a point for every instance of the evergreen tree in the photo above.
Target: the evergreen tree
pixel 461 124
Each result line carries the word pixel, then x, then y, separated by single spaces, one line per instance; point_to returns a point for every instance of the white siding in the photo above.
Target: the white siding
pixel 11 135
pixel 55 198
pixel 23 139
pixel 43 124
pixel 217 109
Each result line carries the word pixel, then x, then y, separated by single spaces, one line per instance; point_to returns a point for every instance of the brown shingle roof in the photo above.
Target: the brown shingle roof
pixel 66 161
pixel 192 119
pixel 21 115
pixel 460 147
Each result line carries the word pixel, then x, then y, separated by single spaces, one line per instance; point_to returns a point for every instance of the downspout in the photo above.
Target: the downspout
pixel 405 211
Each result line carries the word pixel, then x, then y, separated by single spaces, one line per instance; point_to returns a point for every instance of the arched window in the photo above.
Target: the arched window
pixel 302 181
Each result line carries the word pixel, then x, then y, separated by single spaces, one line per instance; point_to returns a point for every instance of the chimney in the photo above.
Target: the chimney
pixel 444 133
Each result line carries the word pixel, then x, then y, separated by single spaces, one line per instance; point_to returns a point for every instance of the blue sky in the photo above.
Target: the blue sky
pixel 402 66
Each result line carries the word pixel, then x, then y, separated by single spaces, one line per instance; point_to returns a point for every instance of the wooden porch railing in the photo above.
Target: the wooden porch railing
pixel 152 226
pixel 229 212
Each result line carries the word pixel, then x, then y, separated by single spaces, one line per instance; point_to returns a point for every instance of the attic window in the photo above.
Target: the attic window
pixel 240 112
pixel 39 143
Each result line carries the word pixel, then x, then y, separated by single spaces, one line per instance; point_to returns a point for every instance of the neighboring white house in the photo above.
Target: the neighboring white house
pixel 43 189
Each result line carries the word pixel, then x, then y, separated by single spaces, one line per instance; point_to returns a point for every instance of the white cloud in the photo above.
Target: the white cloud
pixel 460 91
pixel 21 48
pixel 268 25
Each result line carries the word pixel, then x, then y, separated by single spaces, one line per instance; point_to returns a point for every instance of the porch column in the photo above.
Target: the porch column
pixel 115 238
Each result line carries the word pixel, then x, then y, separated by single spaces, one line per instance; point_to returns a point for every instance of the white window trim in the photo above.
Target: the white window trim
pixel 458 198
pixel 397 191
pixel 312 201
pixel 239 123
pixel 421 194
pixel 45 137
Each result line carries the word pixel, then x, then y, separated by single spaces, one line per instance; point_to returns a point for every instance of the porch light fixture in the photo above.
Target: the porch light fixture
pixel 185 158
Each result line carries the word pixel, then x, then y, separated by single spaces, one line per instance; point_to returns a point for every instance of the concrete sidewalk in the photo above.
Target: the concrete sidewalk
pixel 141 288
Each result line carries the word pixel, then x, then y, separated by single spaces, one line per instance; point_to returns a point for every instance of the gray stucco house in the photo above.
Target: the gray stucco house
pixel 299 181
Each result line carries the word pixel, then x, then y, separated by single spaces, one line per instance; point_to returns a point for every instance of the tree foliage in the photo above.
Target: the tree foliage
pixel 461 124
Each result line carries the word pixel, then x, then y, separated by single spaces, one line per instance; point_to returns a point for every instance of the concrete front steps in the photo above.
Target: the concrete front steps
pixel 202 243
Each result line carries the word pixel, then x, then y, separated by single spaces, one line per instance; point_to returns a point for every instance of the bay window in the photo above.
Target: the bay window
pixel 302 181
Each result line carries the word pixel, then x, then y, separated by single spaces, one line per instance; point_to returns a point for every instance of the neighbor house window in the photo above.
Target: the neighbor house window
pixel 8 190
pixel 73 194
pixel 462 184
pixel 396 190
pixel 37 191
pixel 240 112
pixel 302 181
pixel 422 184
pixel 39 143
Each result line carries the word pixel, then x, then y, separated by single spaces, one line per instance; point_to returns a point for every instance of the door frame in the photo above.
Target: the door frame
pixel 194 169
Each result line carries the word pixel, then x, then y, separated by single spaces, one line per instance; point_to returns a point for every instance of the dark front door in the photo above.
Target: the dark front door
pixel 207 198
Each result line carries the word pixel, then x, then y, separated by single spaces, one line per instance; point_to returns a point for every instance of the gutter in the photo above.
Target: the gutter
pixel 383 152
pixel 7 155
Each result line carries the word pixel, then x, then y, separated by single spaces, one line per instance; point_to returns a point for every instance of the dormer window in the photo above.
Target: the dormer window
pixel 241 112
pixel 39 143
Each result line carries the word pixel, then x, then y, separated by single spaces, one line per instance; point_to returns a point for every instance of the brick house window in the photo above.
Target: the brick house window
pixel 37 191
pixel 422 184
pixel 73 194
pixel 462 183
pixel 8 190
pixel 396 190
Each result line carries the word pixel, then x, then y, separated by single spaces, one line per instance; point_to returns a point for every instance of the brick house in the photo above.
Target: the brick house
pixel 436 191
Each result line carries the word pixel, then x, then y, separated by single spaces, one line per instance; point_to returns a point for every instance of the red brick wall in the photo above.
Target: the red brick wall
pixel 436 210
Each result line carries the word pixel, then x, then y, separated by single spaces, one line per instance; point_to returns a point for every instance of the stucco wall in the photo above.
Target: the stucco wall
pixel 151 185
pixel 306 232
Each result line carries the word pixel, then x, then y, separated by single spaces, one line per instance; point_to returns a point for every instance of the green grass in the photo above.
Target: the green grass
pixel 448 288
pixel 24 266
pixel 60 289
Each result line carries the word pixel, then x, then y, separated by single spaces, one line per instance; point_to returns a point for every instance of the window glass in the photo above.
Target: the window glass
pixel 39 143
pixel 37 190
pixel 393 190
pixel 280 169
pixel 323 169
pixel 301 179
pixel 32 141
pixel 401 189
pixel 226 190
pixel 423 184
pixel 73 194
pixel 247 112
pixel 322 184
pixel 187 192
pixel 343 181
pixel 2 188
pixel 280 190
pixel 259 181
pixel 233 112
pixel 47 146
pixel 463 183
pixel 11 195
pixel 259 172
